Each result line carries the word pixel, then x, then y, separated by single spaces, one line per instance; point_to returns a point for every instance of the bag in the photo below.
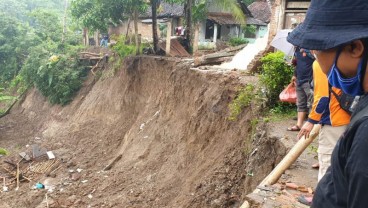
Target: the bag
pixel 347 102
pixel 288 94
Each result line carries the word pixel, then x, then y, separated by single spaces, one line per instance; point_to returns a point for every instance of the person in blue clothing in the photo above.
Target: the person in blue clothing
pixel 303 75
pixel 337 33
pixel 104 41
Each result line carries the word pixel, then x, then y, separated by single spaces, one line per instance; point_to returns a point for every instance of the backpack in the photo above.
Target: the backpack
pixel 347 102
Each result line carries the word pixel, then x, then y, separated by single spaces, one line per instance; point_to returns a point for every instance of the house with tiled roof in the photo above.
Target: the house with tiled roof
pixel 219 22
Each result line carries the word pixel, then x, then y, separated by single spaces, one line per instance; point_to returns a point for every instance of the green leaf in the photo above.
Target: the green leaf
pixel 3 151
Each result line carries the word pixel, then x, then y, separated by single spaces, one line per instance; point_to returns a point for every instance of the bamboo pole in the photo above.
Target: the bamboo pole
pixel 288 160
pixel 291 157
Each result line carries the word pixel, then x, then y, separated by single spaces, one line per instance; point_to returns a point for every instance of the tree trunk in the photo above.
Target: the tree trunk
pixel 196 39
pixel 127 32
pixel 64 21
pixel 97 42
pixel 154 25
pixel 168 37
pixel 85 37
pixel 137 45
pixel 188 17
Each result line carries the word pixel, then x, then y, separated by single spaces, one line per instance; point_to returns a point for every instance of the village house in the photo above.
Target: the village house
pixel 286 13
pixel 219 24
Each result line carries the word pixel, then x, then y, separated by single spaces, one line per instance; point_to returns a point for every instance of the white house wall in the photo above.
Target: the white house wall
pixel 202 31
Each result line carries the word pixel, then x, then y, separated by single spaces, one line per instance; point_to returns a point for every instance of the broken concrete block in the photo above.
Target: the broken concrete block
pixel 50 155
pixel 37 151
pixel 25 156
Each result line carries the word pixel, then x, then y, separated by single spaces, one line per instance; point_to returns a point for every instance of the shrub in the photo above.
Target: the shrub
pixel 242 100
pixel 238 41
pixel 122 48
pixel 57 77
pixel 4 97
pixel 275 75
pixel 250 31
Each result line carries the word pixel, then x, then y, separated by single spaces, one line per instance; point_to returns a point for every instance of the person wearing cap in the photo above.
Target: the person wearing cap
pixel 337 32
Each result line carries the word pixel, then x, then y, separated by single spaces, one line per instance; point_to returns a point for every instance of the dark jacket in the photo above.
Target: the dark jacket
pixel 303 70
pixel 345 183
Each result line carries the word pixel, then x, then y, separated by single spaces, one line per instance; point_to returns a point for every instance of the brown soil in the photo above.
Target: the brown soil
pixel 169 123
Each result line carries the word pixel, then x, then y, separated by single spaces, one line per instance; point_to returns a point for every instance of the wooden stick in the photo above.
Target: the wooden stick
pixel 93 68
pixel 11 163
pixel 108 167
pixel 47 202
pixel 56 169
pixel 9 171
pixel 291 157
pixel 48 165
pixel 11 182
pixel 17 176
pixel 88 53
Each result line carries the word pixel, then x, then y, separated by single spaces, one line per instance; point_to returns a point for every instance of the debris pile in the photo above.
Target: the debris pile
pixel 283 193
pixel 97 60
pixel 218 57
pixel 28 166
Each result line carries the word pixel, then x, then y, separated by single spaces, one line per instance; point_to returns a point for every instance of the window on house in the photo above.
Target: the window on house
pixel 210 25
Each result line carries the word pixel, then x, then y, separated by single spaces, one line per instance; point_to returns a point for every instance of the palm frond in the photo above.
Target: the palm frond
pixel 233 6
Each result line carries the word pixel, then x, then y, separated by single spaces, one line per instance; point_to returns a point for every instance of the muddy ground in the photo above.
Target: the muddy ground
pixel 168 123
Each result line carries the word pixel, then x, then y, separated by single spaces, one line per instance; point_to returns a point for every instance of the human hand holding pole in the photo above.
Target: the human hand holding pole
pixel 305 130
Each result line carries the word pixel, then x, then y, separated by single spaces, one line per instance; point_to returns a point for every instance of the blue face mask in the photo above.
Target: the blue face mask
pixel 351 86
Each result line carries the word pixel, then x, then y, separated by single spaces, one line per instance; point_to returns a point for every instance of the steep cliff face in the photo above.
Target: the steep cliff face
pixel 169 124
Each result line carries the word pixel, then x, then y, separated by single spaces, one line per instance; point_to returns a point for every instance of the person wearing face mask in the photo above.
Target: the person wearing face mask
pixel 326 110
pixel 337 31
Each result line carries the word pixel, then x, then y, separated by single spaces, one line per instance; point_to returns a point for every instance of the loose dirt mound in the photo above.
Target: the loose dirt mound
pixel 169 123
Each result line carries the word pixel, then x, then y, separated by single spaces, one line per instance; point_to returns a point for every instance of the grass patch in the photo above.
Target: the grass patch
pixel 281 112
pixel 313 149
pixel 242 100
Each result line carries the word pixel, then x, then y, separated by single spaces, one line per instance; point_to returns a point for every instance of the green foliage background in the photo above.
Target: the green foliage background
pixel 30 33
pixel 57 79
pixel 238 41
pixel 275 74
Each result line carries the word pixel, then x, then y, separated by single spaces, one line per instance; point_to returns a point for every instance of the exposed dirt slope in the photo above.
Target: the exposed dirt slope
pixel 169 124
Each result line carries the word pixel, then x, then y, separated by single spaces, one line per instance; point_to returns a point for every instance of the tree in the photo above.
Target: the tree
pixel 98 14
pixel 47 25
pixel 11 55
pixel 154 5
pixel 95 14
pixel 137 6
